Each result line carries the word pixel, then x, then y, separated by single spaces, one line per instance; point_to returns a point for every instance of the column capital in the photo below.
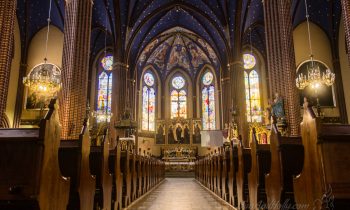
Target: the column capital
pixel 234 64
pixel 121 65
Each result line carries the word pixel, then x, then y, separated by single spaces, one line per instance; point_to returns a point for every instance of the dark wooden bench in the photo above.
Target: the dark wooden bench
pixel 126 172
pixel 325 177
pixel 225 155
pixel 30 177
pixel 260 166
pixel 115 168
pixel 134 175
pixel 232 173
pixel 99 166
pixel 219 172
pixel 75 163
pixel 244 166
pixel 286 161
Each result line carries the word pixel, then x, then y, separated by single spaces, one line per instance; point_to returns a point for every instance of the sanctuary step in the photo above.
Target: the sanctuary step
pixel 179 174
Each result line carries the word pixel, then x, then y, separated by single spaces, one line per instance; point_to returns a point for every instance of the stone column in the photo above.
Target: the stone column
pixel 225 98
pixel 238 98
pixel 7 22
pixel 281 59
pixel 346 18
pixel 75 66
pixel 120 94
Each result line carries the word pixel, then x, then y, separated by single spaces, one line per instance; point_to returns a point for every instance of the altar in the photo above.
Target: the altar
pixel 179 157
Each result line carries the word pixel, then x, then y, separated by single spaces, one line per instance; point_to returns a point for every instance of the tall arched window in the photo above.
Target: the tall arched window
pixel 148 102
pixel 252 90
pixel 104 92
pixel 208 101
pixel 178 95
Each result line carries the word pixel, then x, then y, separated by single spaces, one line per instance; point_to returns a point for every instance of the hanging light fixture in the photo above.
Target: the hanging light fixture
pixel 44 79
pixel 313 77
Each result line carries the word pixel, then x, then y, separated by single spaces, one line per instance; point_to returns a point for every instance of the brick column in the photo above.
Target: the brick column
pixel 281 59
pixel 7 22
pixel 346 18
pixel 75 66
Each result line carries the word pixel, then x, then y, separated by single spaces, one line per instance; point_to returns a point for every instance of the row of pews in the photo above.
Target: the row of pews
pixel 39 171
pixel 307 172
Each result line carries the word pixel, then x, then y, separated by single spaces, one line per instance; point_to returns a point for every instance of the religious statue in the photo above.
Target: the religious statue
pixel 178 134
pixel 197 134
pixel 267 113
pixel 233 131
pixel 160 136
pixel 171 138
pixel 278 108
pixel 186 134
pixel 225 132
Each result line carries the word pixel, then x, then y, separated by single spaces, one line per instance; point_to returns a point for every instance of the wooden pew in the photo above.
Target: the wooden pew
pixel 324 181
pixel 286 161
pixel 244 166
pixel 30 177
pixel 260 165
pixel 215 171
pixel 139 166
pixel 126 172
pixel 74 158
pixel 134 174
pixel 212 171
pixel 99 157
pixel 225 173
pixel 232 172
pixel 219 172
pixel 115 168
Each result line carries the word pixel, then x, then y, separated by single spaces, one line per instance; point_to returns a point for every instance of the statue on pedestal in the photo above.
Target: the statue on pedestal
pixel 278 114
pixel 278 107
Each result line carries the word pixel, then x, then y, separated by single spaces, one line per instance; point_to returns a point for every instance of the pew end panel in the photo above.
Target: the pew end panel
pixel 286 162
pixel 325 176
pixel 30 177
pixel 244 166
pixel 260 165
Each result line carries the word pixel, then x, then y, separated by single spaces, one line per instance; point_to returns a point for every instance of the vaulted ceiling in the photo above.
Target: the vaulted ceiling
pixel 142 21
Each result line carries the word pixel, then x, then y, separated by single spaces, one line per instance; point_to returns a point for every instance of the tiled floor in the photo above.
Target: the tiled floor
pixel 179 194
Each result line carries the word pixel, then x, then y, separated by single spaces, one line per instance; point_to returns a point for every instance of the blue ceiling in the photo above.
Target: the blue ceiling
pixel 142 21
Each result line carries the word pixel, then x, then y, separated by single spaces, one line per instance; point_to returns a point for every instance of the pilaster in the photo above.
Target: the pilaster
pixel 346 17
pixel 7 22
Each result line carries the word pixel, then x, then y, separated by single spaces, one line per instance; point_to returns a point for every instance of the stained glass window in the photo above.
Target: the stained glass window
pixel 178 97
pixel 252 92
pixel 148 103
pixel 208 102
pixel 207 78
pixel 104 94
pixel 104 91
pixel 107 63
pixel 178 82
pixel 149 79
pixel 249 61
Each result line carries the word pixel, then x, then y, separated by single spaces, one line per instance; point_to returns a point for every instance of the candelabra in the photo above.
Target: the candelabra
pixel 313 77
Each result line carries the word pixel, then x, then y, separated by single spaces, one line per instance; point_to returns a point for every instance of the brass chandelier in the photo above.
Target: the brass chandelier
pixel 44 79
pixel 313 77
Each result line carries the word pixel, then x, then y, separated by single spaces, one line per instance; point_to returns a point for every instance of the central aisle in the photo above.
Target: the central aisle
pixel 179 194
